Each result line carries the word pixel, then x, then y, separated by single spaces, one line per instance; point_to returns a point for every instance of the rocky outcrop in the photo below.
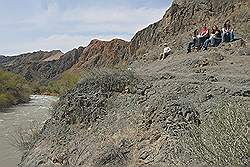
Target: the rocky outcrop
pixel 182 18
pixel 130 118
pixel 2 60
pixel 2 57
pixel 103 54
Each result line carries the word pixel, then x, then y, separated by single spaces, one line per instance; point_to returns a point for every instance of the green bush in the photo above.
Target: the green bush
pixel 5 99
pixel 13 89
pixel 64 84
pixel 221 140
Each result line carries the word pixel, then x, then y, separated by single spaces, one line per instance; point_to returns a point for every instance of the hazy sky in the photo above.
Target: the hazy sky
pixel 29 25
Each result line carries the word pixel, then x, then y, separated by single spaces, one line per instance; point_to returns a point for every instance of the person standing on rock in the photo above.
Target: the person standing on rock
pixel 228 33
pixel 166 52
pixel 215 38
pixel 194 42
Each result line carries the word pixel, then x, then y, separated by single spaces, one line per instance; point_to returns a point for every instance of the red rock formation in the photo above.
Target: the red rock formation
pixel 103 54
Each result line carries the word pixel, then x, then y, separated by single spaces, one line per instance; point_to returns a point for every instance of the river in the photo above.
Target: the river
pixel 37 110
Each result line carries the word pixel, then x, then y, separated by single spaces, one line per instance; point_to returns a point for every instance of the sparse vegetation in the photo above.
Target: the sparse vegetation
pixel 96 86
pixel 221 140
pixel 108 80
pixel 24 138
pixel 57 87
pixel 64 84
pixel 14 89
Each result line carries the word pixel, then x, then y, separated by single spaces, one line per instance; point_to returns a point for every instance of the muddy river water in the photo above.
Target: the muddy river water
pixel 21 116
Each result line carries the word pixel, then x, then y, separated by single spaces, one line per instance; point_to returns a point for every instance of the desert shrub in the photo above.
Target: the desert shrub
pixel 13 89
pixel 63 84
pixel 87 102
pixel 221 140
pixel 107 80
pixel 24 138
pixel 114 155
pixel 10 80
pixel 5 99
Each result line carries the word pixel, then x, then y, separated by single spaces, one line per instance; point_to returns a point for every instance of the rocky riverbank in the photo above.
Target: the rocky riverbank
pixel 118 118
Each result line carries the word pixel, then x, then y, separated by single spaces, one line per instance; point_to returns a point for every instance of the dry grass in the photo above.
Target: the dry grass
pixel 221 140
pixel 24 138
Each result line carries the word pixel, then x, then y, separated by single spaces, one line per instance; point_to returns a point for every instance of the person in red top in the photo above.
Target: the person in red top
pixel 204 35
pixel 199 38
pixel 204 31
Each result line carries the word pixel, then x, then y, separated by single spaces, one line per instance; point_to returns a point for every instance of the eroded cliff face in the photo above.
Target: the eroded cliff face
pixel 41 66
pixel 27 64
pixel 182 18
pixel 45 66
pixel 103 54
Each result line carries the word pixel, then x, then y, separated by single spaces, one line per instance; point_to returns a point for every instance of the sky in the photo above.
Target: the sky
pixel 32 25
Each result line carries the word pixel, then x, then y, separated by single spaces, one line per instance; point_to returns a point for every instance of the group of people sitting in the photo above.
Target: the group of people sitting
pixel 203 38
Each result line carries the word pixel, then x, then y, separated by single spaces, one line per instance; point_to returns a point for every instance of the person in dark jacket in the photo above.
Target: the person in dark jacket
pixel 194 42
pixel 228 33
pixel 215 38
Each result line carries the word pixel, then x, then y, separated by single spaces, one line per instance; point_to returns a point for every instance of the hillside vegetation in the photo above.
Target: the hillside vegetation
pixel 66 82
pixel 14 89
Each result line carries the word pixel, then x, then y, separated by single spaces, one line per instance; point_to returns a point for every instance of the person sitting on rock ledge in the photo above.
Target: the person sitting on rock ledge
pixel 228 33
pixel 215 38
pixel 194 43
pixel 203 36
pixel 166 52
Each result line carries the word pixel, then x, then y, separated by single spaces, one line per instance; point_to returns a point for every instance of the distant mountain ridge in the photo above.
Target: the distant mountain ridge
pixel 103 54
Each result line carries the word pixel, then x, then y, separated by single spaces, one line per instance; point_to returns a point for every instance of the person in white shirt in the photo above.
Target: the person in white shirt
pixel 166 52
